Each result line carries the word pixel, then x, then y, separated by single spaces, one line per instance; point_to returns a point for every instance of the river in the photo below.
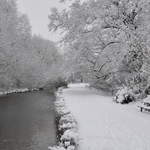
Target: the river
pixel 27 121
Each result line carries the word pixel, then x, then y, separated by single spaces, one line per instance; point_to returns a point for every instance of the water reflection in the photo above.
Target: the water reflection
pixel 27 121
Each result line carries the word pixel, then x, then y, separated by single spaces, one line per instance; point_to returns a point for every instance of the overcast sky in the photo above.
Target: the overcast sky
pixel 37 11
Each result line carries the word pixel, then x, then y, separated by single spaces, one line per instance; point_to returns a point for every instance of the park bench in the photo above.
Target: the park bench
pixel 145 105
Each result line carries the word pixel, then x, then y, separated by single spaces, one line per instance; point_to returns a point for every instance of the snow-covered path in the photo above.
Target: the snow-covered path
pixel 104 125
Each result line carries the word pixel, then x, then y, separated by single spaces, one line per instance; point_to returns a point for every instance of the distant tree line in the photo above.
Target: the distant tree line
pixel 25 60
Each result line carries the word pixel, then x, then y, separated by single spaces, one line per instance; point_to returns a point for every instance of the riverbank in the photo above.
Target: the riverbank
pixel 105 125
pixel 66 125
pixel 21 90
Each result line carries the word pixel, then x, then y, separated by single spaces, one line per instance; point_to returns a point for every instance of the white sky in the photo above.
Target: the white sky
pixel 37 11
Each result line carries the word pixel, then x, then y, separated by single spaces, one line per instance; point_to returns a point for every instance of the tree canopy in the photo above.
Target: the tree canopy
pixel 106 40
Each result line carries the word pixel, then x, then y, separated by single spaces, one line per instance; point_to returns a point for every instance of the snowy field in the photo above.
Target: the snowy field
pixel 105 125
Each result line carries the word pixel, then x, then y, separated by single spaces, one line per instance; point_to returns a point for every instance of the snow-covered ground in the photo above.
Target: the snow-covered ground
pixel 105 125
pixel 21 90
pixel 14 91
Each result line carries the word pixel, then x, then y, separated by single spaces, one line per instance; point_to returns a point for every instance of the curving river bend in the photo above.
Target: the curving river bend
pixel 27 121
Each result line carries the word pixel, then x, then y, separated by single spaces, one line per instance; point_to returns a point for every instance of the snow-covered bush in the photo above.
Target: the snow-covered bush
pixel 61 148
pixel 23 90
pixel 124 96
pixel 147 90
pixel 56 83
pixel 70 137
pixel 67 133
pixel 56 148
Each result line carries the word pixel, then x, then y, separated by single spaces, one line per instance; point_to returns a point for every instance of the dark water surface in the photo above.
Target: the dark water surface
pixel 27 121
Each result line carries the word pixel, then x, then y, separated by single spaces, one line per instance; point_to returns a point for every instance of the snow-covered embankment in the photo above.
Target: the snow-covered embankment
pixel 20 90
pixel 67 131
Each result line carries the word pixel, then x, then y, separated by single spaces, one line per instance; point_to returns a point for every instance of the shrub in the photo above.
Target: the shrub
pixel 55 84
pixel 124 96
pixel 147 90
pixel 60 83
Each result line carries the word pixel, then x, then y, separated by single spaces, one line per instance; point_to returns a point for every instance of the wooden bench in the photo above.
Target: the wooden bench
pixel 144 106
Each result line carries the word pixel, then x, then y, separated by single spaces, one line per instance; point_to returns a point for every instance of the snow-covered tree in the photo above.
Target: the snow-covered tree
pixel 25 60
pixel 107 37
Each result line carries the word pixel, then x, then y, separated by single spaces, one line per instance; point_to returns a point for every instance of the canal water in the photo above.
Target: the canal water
pixel 27 121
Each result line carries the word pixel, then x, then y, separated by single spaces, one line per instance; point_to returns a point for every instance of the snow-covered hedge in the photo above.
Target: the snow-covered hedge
pixel 23 90
pixel 14 91
pixel 67 132
pixel 124 96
